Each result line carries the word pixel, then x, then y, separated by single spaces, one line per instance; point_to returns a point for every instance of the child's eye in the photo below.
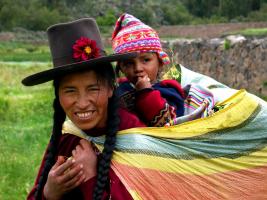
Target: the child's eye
pixel 145 60
pixel 127 64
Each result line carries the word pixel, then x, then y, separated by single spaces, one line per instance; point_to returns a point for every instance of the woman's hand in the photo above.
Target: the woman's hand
pixel 84 154
pixel 64 176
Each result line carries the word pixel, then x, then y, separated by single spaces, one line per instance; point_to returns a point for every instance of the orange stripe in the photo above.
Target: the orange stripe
pixel 244 184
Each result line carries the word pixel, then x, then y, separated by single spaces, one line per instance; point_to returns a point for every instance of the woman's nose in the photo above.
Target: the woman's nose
pixel 83 101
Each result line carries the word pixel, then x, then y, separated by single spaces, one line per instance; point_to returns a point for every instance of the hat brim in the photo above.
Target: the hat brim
pixel 51 74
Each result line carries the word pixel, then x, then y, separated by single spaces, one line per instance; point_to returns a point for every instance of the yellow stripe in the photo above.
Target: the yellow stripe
pixel 194 167
pixel 231 116
pixel 135 195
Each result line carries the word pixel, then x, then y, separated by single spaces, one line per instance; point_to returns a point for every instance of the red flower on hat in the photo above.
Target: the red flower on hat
pixel 84 49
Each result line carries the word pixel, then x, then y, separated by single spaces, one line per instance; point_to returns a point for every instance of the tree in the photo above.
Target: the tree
pixel 108 19
pixel 232 9
pixel 176 14
pixel 201 8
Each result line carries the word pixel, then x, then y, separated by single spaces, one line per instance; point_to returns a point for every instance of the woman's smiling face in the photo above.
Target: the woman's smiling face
pixel 84 98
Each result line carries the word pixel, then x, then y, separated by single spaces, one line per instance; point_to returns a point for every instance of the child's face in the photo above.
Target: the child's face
pixel 145 64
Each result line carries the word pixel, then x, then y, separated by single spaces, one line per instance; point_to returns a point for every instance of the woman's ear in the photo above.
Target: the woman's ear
pixel 117 69
pixel 110 92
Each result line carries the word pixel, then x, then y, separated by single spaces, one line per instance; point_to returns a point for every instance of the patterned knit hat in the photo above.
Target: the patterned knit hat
pixel 132 35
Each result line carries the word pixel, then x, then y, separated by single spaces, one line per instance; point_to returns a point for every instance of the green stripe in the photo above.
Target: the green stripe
pixel 247 137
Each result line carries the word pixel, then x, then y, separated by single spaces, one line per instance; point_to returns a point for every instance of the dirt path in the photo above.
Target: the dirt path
pixel 206 31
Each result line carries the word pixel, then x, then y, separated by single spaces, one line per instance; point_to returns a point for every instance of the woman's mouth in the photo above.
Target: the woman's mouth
pixel 84 115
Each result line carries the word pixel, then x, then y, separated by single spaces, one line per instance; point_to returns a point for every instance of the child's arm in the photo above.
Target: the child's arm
pixel 64 176
pixel 158 105
pixel 143 83
pixel 152 108
pixel 85 155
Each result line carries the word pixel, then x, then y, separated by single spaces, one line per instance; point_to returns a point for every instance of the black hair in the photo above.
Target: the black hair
pixel 105 73
pixel 58 119
pixel 110 141
pixel 118 69
pixel 109 145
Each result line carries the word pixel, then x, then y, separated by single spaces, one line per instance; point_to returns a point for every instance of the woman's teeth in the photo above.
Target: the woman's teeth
pixel 85 115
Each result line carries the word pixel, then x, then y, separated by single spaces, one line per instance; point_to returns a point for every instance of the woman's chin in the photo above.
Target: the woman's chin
pixel 86 125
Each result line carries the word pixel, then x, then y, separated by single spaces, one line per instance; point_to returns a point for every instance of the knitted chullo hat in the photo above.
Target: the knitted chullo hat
pixel 132 35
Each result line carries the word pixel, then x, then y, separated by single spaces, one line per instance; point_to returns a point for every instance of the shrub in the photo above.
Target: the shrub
pixel 227 44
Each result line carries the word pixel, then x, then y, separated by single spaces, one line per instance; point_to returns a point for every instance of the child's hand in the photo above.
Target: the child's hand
pixel 142 83
pixel 63 177
pixel 85 155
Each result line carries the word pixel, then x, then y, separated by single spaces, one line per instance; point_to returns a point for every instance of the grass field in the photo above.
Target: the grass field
pixel 262 32
pixel 18 51
pixel 25 121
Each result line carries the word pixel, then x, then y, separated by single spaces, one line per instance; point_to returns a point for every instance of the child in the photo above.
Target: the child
pixel 155 102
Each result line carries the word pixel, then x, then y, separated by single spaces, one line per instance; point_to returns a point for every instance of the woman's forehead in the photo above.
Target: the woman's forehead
pixel 79 77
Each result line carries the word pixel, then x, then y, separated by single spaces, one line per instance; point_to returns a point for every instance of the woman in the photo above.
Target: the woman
pixel 84 92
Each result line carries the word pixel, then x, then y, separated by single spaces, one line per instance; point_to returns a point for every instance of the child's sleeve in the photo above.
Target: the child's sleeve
pixel 152 108
pixel 158 105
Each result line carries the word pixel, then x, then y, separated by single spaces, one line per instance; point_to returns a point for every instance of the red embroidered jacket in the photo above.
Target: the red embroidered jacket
pixel 156 106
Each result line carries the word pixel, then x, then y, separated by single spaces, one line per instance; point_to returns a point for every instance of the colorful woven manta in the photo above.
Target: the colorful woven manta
pixel 219 156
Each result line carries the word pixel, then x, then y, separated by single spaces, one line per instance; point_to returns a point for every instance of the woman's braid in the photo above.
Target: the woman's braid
pixel 58 119
pixel 109 145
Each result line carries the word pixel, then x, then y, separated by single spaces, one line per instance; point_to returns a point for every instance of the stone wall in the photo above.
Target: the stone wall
pixel 235 61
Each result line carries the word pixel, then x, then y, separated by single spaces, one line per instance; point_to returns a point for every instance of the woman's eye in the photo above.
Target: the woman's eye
pixel 94 89
pixel 69 91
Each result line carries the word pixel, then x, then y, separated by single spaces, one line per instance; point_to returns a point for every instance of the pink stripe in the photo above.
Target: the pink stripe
pixel 249 184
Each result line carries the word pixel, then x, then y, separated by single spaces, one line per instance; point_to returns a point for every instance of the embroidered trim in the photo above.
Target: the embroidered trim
pixel 162 118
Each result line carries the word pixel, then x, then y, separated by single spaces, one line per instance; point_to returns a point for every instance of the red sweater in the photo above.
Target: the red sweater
pixel 68 142
pixel 157 105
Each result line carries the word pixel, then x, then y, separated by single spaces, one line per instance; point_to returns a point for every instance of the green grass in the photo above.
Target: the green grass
pixel 252 32
pixel 25 116
pixel 18 51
